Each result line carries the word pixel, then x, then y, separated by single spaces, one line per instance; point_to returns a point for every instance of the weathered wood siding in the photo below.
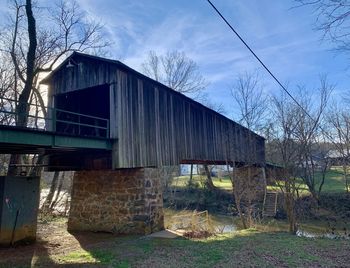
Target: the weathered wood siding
pixel 157 126
pixel 84 73
pixel 153 125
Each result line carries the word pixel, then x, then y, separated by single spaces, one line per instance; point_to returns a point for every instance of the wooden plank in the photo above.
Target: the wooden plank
pixel 155 126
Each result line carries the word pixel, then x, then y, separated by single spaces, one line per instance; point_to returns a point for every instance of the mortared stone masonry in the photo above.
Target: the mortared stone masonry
pixel 125 201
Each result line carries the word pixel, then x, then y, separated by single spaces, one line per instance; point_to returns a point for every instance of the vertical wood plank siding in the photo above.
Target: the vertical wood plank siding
pixel 153 125
pixel 160 127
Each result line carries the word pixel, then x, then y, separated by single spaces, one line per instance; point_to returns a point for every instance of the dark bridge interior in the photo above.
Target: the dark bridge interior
pixel 87 108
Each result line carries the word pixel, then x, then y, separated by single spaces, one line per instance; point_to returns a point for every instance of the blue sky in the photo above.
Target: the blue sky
pixel 282 36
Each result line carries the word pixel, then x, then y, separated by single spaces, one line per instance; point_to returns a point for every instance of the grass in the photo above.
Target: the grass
pixel 334 182
pixel 198 180
pixel 248 248
pixel 268 245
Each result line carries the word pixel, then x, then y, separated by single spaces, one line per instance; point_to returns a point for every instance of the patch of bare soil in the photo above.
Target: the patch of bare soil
pixel 52 239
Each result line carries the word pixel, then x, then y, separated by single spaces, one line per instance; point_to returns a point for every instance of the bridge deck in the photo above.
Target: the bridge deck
pixel 24 140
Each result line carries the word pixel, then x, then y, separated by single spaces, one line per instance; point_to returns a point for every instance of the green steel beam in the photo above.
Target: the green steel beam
pixel 78 142
pixel 19 137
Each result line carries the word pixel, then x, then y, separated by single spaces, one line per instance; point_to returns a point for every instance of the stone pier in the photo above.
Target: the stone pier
pixel 125 201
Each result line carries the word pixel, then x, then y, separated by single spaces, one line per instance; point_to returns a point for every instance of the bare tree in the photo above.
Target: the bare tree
pixel 332 19
pixel 248 94
pixel 37 43
pixel 209 181
pixel 296 141
pixel 286 152
pixel 308 132
pixel 339 120
pixel 175 70
pixel 204 99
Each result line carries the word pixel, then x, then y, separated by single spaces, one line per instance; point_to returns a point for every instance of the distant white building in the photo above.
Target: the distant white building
pixel 217 171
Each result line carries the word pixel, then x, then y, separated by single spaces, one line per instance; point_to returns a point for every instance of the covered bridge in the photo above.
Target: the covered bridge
pixel 149 124
pixel 115 127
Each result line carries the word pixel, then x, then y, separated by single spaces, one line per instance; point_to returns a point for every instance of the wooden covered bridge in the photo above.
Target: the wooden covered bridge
pixel 149 124
pixel 134 125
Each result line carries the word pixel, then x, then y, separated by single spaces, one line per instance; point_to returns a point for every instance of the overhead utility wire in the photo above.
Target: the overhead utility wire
pixel 266 68
pixel 256 56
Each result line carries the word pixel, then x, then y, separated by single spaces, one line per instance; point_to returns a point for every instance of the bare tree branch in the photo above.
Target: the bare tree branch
pixel 175 70
pixel 248 94
pixel 332 19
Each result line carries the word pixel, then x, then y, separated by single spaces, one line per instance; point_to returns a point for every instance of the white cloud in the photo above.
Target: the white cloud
pixel 283 38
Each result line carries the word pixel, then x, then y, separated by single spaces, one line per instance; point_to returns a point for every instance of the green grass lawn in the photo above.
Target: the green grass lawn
pixel 334 182
pixel 249 248
pixel 182 181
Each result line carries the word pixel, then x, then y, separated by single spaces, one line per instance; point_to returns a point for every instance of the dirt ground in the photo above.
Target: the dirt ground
pixel 53 239
pixel 245 248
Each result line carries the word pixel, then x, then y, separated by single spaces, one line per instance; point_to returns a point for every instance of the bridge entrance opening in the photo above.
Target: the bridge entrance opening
pixel 84 112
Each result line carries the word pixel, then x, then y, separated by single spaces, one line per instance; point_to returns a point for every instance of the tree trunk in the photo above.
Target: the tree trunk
pixel 58 192
pixel 289 202
pixel 36 170
pixel 47 203
pixel 22 108
pixel 324 172
pixel 237 198
pixel 345 172
pixel 240 213
pixel 209 182
pixel 191 175
pixel 15 159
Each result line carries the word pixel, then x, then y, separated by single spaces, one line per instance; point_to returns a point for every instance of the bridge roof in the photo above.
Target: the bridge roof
pixel 48 78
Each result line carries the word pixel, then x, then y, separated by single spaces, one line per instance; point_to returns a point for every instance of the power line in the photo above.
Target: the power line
pixel 268 70
pixel 260 61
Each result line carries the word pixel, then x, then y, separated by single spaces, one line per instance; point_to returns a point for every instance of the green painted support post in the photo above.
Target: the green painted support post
pixel 19 204
pixel 53 122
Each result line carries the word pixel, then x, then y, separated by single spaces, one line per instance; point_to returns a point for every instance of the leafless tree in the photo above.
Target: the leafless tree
pixel 248 181
pixel 204 99
pixel 36 43
pixel 296 140
pixel 308 132
pixel 58 195
pixel 332 19
pixel 175 70
pixel 248 94
pixel 286 152
pixel 209 180
pixel 339 120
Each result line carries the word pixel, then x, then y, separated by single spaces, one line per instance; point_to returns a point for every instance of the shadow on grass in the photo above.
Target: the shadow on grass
pixel 98 249
pixel 245 248
pixel 25 255
pixel 81 249
pixel 249 248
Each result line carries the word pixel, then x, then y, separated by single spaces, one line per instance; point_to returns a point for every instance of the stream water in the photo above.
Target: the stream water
pixel 303 233
pixel 226 224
